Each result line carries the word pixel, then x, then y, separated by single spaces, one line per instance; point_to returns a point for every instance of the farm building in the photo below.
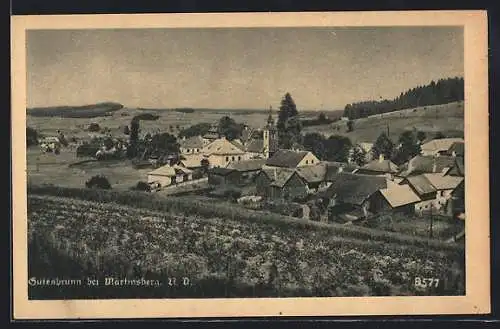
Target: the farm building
pixel 427 164
pixel 223 176
pixel 433 189
pixel 350 193
pixel 314 176
pixel 291 159
pixel 221 152
pixel 168 175
pixel 191 145
pixel 247 169
pixel 439 146
pixel 394 197
pixel 192 161
pixel 379 167
pixel 280 183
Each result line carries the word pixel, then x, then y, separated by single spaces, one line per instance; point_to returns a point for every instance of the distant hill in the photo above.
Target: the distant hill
pixel 85 111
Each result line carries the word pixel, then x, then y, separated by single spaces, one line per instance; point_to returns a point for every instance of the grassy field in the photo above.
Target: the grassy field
pixel 48 168
pixel 223 256
pixel 447 118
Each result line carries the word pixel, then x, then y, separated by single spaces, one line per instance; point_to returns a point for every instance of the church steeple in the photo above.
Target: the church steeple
pixel 270 120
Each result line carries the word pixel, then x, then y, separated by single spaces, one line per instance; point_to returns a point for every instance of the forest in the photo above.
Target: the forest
pixel 441 92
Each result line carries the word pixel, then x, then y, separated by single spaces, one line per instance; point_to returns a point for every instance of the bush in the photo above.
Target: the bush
pixel 142 186
pixel 94 127
pixel 99 182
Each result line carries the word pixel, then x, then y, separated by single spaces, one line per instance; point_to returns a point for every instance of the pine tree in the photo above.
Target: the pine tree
pixel 289 126
pixel 358 155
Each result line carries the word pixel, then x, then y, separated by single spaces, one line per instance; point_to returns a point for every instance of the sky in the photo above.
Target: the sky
pixel 322 68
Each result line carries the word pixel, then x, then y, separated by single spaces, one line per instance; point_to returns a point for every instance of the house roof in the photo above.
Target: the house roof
pixel 221 171
pixel 286 158
pixel 247 165
pixel 163 171
pixel 255 145
pixel 192 160
pixel 192 142
pixel 355 188
pixel 421 184
pixel 443 182
pixel 399 195
pixel 333 168
pixel 238 144
pixel 458 168
pixel 425 164
pixel 281 177
pixel 221 146
pixel 313 174
pixel 383 166
pixel 439 145
pixel 458 148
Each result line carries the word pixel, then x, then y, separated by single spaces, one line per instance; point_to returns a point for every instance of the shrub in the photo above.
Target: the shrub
pixel 94 127
pixel 142 186
pixel 99 182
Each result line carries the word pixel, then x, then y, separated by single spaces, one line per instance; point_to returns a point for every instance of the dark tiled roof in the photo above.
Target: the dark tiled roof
pixel 354 188
pixel 421 184
pixel 384 166
pixel 313 174
pixel 286 158
pixel 247 165
pixel 427 164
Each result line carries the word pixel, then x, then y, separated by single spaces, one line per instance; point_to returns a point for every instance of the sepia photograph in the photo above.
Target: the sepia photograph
pixel 252 162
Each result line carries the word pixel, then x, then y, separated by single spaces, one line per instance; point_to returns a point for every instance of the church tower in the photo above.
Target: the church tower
pixel 269 136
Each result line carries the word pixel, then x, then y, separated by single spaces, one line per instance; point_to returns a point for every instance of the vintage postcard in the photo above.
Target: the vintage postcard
pixel 250 164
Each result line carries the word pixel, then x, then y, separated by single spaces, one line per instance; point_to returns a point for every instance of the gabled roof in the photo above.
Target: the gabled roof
pixel 421 184
pixel 443 182
pixel 383 166
pixel 247 165
pixel 221 146
pixel 192 160
pixel 399 195
pixel 427 164
pixel 192 142
pixel 313 174
pixel 286 158
pixel 355 188
pixel 282 177
pixel 439 145
pixel 255 145
pixel 170 171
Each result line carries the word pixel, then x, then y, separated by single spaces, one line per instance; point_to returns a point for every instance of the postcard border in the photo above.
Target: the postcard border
pixel 477 299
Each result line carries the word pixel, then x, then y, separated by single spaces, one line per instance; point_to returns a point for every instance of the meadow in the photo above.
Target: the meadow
pixel 446 118
pixel 248 254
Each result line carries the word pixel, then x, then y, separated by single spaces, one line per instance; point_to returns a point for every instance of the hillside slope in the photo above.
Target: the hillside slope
pixel 445 118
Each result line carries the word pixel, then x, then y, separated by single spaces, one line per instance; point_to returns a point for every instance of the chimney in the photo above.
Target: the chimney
pixel 434 165
pixel 380 158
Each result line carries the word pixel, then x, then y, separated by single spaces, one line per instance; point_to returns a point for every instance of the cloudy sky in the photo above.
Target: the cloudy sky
pixel 323 68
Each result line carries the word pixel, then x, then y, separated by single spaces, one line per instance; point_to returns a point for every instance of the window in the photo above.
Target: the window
pixel 197 150
pixel 232 158
pixel 227 159
pixel 312 161
pixel 187 151
pixel 307 161
pixel 239 158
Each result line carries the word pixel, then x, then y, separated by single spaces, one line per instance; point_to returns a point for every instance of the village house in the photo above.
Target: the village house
pixel 280 183
pixel 247 169
pixel 221 152
pixel 223 176
pixel 314 177
pixel 192 161
pixel 262 143
pixel 379 167
pixel 168 175
pixel 191 145
pixel 439 146
pixel 434 191
pixel 291 159
pixel 395 197
pixel 421 164
pixel 348 196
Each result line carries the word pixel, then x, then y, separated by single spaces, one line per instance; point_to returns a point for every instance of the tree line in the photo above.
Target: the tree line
pixel 441 92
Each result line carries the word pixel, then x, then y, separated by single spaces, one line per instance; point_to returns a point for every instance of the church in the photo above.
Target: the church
pixel 261 143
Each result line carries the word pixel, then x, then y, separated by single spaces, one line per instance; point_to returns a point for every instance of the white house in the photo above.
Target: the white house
pixel 221 152
pixel 168 175
pixel 191 145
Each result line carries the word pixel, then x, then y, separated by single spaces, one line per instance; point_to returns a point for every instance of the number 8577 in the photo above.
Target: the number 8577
pixel 426 282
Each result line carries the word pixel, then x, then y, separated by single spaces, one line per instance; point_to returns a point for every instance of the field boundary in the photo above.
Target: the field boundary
pixel 205 209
